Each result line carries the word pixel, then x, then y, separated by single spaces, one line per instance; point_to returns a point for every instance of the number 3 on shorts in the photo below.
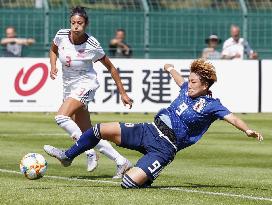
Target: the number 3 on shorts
pixel 156 165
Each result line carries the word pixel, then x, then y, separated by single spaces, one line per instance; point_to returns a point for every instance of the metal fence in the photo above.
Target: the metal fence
pixel 155 28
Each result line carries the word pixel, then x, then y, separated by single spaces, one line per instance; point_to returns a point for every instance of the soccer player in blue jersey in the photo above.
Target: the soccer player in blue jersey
pixel 179 126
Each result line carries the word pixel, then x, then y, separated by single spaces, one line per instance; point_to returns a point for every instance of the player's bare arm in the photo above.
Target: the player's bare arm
pixel 53 54
pixel 176 76
pixel 115 75
pixel 241 125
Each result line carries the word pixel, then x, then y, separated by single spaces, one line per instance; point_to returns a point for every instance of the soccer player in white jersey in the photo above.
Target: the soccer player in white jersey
pixel 77 51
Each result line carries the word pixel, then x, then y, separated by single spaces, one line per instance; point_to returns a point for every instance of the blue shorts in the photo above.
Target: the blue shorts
pixel 144 137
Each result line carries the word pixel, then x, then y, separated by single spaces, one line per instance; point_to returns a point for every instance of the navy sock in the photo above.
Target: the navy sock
pixel 87 140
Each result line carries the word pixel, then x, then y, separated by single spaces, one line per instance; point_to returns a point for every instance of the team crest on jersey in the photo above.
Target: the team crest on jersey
pixel 199 105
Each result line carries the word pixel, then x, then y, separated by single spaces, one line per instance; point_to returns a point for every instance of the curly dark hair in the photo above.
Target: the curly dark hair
pixel 205 70
pixel 80 11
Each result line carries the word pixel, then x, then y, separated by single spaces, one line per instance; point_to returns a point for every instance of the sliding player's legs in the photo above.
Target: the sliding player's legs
pixel 88 140
pixel 72 112
pixel 145 171
pixel 158 153
pixel 82 119
pixel 141 137
pixel 132 139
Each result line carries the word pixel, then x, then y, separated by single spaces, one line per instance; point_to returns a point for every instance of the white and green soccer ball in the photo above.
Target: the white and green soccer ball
pixel 33 166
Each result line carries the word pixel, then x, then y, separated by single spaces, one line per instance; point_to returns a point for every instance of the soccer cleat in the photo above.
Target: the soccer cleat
pixel 121 169
pixel 92 161
pixel 59 154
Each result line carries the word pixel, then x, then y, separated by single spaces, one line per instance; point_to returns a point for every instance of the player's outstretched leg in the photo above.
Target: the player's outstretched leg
pixel 88 140
pixel 59 154
pixel 74 131
pixel 82 119
pixel 69 113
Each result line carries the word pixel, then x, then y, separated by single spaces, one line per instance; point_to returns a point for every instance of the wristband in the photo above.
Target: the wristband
pixel 169 69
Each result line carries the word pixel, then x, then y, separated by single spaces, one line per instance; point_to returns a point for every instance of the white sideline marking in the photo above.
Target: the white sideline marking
pixel 166 188
pixel 33 134
pixel 219 194
pixel 63 178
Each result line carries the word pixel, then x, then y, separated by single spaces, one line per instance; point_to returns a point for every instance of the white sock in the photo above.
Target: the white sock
pixel 105 148
pixel 71 128
pixel 90 152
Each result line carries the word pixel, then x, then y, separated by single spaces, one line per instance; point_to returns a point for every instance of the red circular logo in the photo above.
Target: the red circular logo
pixel 26 77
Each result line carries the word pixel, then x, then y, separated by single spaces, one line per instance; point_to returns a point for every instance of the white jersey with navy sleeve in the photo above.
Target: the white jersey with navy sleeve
pixel 190 117
pixel 79 76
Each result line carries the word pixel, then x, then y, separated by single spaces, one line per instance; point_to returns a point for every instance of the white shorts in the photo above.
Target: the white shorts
pixel 79 90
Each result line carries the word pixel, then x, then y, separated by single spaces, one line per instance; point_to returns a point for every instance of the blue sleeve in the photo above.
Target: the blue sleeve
pixel 184 87
pixel 218 110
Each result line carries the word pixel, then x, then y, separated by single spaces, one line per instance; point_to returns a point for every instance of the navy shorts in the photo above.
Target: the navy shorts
pixel 144 137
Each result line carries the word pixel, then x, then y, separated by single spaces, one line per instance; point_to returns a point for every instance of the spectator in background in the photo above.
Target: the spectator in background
pixel 118 47
pixel 13 45
pixel 236 47
pixel 210 52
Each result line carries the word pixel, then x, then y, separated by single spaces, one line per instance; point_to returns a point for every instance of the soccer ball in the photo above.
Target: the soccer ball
pixel 33 166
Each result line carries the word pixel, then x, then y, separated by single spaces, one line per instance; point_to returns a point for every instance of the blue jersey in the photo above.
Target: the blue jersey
pixel 190 117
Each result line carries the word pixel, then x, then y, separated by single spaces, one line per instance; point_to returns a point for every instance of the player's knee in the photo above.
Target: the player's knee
pixel 128 183
pixel 60 119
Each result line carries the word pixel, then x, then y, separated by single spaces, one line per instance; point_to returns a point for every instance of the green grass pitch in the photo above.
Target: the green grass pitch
pixel 225 167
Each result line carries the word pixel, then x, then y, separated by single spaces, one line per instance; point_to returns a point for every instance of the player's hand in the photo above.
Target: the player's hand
pixel 167 66
pixel 254 134
pixel 53 73
pixel 126 100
